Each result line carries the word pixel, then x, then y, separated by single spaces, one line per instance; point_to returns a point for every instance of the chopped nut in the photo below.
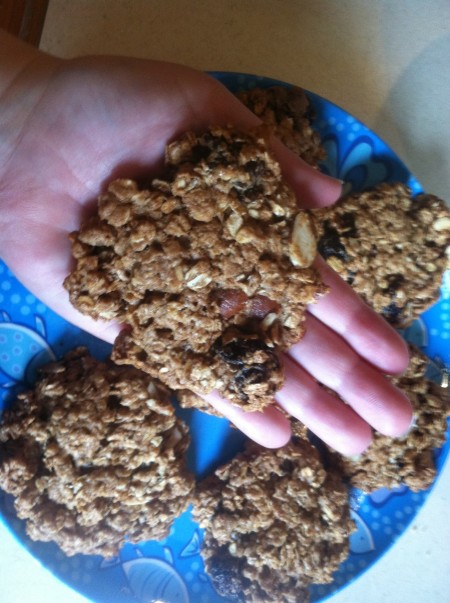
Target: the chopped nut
pixel 290 322
pixel 303 244
pixel 269 320
pixel 442 223
pixel 234 223
pixel 278 210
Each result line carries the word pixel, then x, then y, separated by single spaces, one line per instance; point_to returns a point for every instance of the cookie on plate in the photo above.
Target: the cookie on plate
pixel 209 268
pixel 289 113
pixel 275 522
pixel 392 248
pixel 94 456
pixel 390 462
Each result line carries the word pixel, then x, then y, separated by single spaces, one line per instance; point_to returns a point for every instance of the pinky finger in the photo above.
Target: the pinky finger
pixel 270 427
pixel 333 421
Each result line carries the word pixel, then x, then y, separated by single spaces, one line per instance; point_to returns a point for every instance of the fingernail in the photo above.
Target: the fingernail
pixel 346 189
pixel 411 427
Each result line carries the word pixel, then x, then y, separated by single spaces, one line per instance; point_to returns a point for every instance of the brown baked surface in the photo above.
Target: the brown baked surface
pixel 94 455
pixel 209 268
pixel 275 522
pixel 390 462
pixel 389 246
pixel 288 112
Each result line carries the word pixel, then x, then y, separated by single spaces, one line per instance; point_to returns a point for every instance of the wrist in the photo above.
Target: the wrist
pixel 24 75
pixel 16 55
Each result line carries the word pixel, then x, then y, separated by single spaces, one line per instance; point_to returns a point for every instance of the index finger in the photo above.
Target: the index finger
pixel 269 427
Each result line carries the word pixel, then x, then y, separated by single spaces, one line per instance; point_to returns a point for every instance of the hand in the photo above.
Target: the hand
pixel 347 347
pixel 69 127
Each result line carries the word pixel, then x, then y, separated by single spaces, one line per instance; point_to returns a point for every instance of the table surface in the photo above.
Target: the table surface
pixel 386 63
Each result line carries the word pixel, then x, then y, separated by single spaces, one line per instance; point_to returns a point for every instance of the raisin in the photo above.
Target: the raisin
pixel 394 283
pixel 256 373
pixel 226 578
pixel 199 152
pixel 392 313
pixel 330 243
pixel 240 354
pixel 349 225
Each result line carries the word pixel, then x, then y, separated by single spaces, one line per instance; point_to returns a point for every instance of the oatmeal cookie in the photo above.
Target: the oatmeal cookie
pixel 209 268
pixel 275 522
pixel 288 112
pixel 390 462
pixel 94 455
pixel 389 246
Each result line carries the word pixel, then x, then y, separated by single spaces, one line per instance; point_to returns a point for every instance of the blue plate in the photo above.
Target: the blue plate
pixel 31 335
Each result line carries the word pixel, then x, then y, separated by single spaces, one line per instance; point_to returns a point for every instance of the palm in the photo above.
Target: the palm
pixel 101 118
pixel 81 135
pixel 97 119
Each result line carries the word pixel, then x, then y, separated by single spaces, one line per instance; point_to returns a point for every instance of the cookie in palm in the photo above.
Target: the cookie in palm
pixel 210 268
pixel 391 247
pixel 275 522
pixel 94 456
